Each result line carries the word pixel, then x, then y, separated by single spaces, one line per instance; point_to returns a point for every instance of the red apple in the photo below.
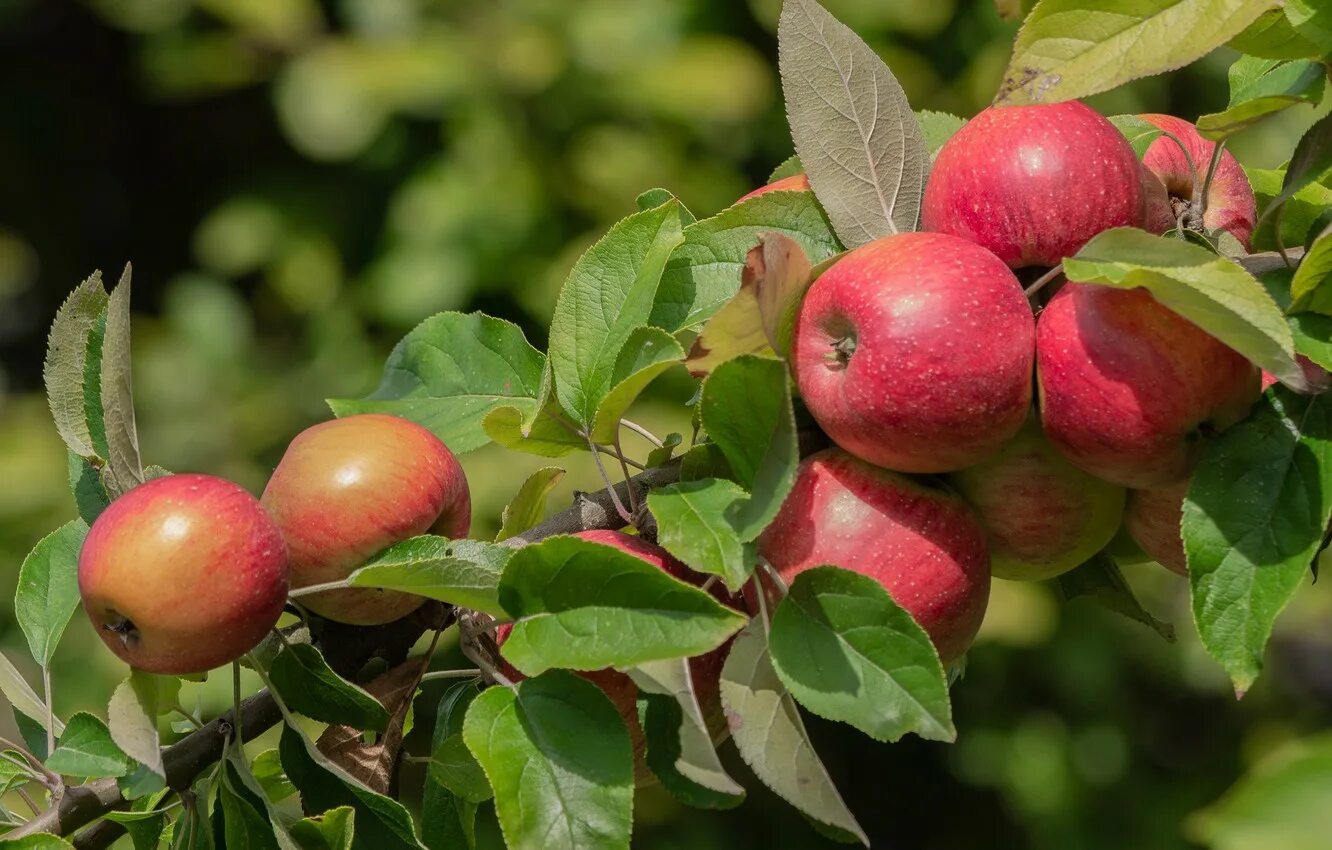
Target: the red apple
pixel 914 352
pixel 1153 521
pixel 183 574
pixel 346 489
pixel 1034 183
pixel 921 542
pixel 1231 206
pixel 794 183
pixel 1127 385
pixel 1042 515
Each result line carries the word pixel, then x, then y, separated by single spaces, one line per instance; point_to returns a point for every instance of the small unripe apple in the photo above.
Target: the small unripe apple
pixel 921 542
pixel 794 183
pixel 1128 386
pixel 183 574
pixel 1034 183
pixel 914 352
pixel 1042 515
pixel 1153 520
pixel 348 488
pixel 1231 205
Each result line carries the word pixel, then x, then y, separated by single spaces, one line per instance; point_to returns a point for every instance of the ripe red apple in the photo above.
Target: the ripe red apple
pixel 921 542
pixel 914 352
pixel 1126 385
pixel 1042 515
pixel 705 670
pixel 1034 183
pixel 347 488
pixel 1153 521
pixel 794 183
pixel 1231 205
pixel 183 574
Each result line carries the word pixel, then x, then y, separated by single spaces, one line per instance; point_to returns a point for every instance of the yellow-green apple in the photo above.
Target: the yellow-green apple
pixel 920 541
pixel 183 574
pixel 914 352
pixel 1042 515
pixel 1153 520
pixel 705 670
pixel 1127 386
pixel 794 183
pixel 1034 183
pixel 347 488
pixel 1231 206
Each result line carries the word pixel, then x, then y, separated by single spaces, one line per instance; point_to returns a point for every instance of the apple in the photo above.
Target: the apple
pixel 920 541
pixel 1153 521
pixel 1127 386
pixel 347 488
pixel 183 574
pixel 914 352
pixel 1042 515
pixel 705 670
pixel 1034 183
pixel 1231 206
pixel 794 183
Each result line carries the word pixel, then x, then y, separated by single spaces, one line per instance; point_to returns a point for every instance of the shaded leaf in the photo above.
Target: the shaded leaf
pixel 1100 579
pixel 65 368
pixel 124 468
pixel 48 589
pixel 373 764
pixel 309 686
pixel 529 503
pixel 1309 288
pixel 1310 161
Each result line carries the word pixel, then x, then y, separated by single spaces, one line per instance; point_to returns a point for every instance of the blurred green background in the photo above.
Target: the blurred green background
pixel 298 183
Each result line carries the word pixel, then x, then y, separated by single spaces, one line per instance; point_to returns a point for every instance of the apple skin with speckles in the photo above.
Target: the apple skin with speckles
pixel 794 183
pixel 922 542
pixel 183 574
pixel 347 488
pixel 1231 205
pixel 1034 183
pixel 1042 515
pixel 1153 520
pixel 914 352
pixel 1127 386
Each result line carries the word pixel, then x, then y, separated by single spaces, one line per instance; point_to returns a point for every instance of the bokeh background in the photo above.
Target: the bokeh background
pixel 298 183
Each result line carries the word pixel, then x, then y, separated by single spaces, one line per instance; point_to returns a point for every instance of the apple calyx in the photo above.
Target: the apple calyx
pixel 842 349
pixel 123 628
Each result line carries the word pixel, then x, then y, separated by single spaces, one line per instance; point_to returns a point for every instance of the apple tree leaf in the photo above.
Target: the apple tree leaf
pixel 1310 161
pixel 309 686
pixel 48 589
pixel 1273 36
pixel 529 503
pixel 1101 580
pixel 86 749
pixel 1247 556
pixel 938 128
pixel 1263 87
pixel 854 131
pixel 124 468
pixel 695 524
pixel 22 697
pixel 459 572
pixel 65 370
pixel 132 719
pixel 646 354
pixel 1311 286
pixel 1139 131
pixel 335 829
pixel 789 167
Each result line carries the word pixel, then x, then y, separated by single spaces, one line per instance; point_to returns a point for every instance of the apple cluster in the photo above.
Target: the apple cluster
pixel 984 431
pixel 189 572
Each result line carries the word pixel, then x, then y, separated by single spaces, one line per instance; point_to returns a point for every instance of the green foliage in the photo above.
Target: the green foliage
pixel 48 589
pixel 529 503
pixel 460 572
pixel 86 750
pixel 694 523
pixel 1100 579
pixel 308 685
pixel 1260 88
pixel 132 720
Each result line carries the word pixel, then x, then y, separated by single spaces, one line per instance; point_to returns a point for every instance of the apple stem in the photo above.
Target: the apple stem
pixel 1201 191
pixel 434 675
pixel 1044 279
pixel 311 589
pixel 50 709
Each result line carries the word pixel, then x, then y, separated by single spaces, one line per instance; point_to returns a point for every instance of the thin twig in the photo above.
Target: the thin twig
pixel 642 432
pixel 610 488
pixel 27 798
pixel 236 700
pixel 624 469
pixel 1041 281
pixel 434 675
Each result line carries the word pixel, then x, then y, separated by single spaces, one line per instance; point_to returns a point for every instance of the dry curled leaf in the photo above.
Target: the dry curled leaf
pixel 372 764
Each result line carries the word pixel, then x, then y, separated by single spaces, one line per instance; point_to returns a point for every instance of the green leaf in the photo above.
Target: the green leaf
pixel 540 429
pixel 704 272
pixel 124 468
pixel 459 572
pixel 746 409
pixel 381 822
pixel 790 167
pixel 1312 19
pixel 65 369
pixel 333 830
pixel 450 372
pixel 239 779
pixel 244 827
pixel 1311 287
pixel 22 697
pixel 938 127
pixel 1273 37
pixel 447 821
pixel 663 454
pixel 1263 87
pixel 1247 556
pixel 529 504
pixel 1311 160
pixel 607 295
pixel 39 841
pixel 585 606
pixel 1214 293
pixel 646 354
pixel 144 827
pixel 680 750
pixel 132 719
pixel 861 144
pixel 848 652
pixel 48 589
pixel 653 198
pixel 86 750
pixel 1299 213
pixel 309 686
pixel 1068 49
pixel 559 758
pixel 267 771
pixel 1139 132
pixel 1101 580
pixel 1282 804
pixel 452 765
pixel 771 737
pixel 1313 337
pixel 85 483
pixel 694 524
